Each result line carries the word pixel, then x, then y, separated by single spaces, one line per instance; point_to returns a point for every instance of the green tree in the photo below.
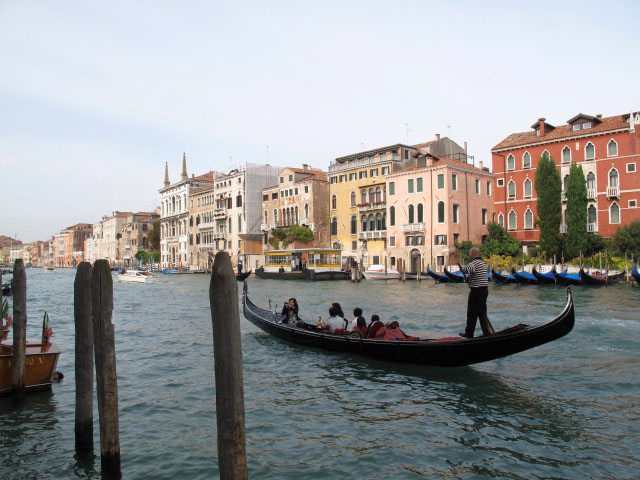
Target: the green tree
pixel 595 244
pixel 499 242
pixel 154 237
pixel 575 241
pixel 463 250
pixel 142 255
pixel 549 205
pixel 627 239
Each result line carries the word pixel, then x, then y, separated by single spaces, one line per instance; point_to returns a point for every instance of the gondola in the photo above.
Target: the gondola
pixel 438 277
pixel 523 277
pixel 598 279
pixel 564 278
pixel 500 277
pixel 635 274
pixel 241 277
pixel 454 277
pixel 544 278
pixel 441 352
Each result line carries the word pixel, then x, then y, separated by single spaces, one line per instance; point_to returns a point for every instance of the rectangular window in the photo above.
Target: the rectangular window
pixel 477 186
pixel 374 172
pixel 408 241
pixel 586 125
pixel 406 154
pixel 500 182
pixel 456 210
pixel 576 127
pixel 392 188
pixel 306 189
pixel 291 178
pixel 295 192
pixel 376 260
pixel 343 178
pixel 274 196
pixel 631 167
pixel 265 198
pixel 422 162
pixel 334 179
pixel 419 184
pixel 362 174
pixel 410 185
pixel 353 176
pixel 392 241
pixel 633 203
pixel 440 240
pixel 441 181
pixel 454 182
pixel 385 170
pixel 456 238
pixel 489 188
pixel 484 216
pixel 354 245
pixel 281 179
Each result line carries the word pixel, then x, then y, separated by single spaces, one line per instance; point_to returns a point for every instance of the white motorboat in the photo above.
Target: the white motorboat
pixel 49 269
pixel 132 276
pixel 377 272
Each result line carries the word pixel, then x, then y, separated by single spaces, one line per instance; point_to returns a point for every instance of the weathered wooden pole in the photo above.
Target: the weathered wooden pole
pixel 354 274
pixel 84 357
pixel 105 355
pixel 19 360
pixel 227 351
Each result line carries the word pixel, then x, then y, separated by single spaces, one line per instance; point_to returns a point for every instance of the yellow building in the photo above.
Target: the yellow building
pixel 358 196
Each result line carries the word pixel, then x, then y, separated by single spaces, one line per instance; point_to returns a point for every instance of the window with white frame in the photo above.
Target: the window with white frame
pixel 614 213
pixel 512 220
pixel 456 209
pixel 500 182
pixel 477 186
pixel 501 220
pixel 612 148
pixel 353 199
pixel 592 215
pixel 632 204
pixel 441 212
pixel 454 182
pixel 589 151
pixel 526 160
pixel 591 181
pixel 528 219
pixel 566 155
pixel 528 188
pixel 511 189
pixel 613 177
pixel 484 216
pixel 511 162
pixel 489 188
pixel 631 167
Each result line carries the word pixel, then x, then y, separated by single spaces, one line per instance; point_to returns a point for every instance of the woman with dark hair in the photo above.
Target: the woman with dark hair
pixel 290 311
pixel 361 326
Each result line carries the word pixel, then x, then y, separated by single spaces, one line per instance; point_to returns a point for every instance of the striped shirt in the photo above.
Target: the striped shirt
pixel 478 273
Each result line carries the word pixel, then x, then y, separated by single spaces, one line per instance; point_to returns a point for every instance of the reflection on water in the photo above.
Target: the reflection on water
pixel 564 410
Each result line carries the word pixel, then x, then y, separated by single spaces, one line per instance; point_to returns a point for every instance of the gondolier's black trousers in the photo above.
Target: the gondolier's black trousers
pixel 477 308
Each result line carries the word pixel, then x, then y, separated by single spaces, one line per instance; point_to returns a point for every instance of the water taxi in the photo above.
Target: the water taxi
pixel 303 264
pixel 133 276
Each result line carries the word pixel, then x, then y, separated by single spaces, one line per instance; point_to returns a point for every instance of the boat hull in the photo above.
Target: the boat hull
pixel 243 276
pixel 544 278
pixel 498 277
pixel 437 276
pixel 635 274
pixel 567 278
pixel 303 275
pixel 600 280
pixel 41 362
pixel 453 277
pixel 453 352
pixel 390 275
pixel 524 278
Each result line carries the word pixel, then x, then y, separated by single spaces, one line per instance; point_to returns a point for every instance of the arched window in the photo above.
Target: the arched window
pixel 565 183
pixel 528 219
pixel 384 221
pixel 334 226
pixel 392 216
pixel 526 160
pixel 354 225
pixel 512 189
pixel 275 216
pixel 306 211
pixel 589 151
pixel 511 162
pixel 612 148
pixel 363 223
pixel 501 220
pixel 353 199
pixel 420 213
pixel 266 217
pixel 379 225
pixel 441 212
pixel 613 178
pixel 527 188
pixel 566 155
pixel 230 226
pixel 378 194
pixel 372 222
pixel 411 216
pixel 334 202
pixel 591 181
pixel 592 215
pixel 191 221
pixel 364 196
pixel 297 216
pixel 614 213
pixel 512 220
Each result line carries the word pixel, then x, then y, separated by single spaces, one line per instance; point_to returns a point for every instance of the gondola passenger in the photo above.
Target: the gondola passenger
pixel 335 323
pixel 361 326
pixel 290 311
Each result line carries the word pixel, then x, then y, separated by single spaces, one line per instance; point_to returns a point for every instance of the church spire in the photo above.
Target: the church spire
pixel 166 174
pixel 184 175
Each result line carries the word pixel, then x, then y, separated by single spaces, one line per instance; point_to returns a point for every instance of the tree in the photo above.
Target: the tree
pixel 142 255
pixel 463 250
pixel 595 244
pixel 549 205
pixel 154 237
pixel 499 242
pixel 575 241
pixel 627 239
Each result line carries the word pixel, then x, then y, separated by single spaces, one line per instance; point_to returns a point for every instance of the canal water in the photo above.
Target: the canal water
pixel 568 409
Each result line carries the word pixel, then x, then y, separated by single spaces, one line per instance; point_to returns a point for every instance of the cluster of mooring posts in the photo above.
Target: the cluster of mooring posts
pixel 93 309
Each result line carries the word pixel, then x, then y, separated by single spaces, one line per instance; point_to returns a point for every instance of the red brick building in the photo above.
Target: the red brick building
pixel 607 148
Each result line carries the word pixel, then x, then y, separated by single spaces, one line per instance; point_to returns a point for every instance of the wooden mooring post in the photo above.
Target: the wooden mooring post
pixel 105 355
pixel 84 357
pixel 227 350
pixel 18 363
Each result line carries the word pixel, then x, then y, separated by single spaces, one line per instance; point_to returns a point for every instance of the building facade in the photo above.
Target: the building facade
pixel 357 190
pixel 201 228
pixel 301 197
pixel 134 236
pixel 607 149
pixel 433 205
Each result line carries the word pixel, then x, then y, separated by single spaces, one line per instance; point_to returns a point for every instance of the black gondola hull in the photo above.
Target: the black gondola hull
pixel 453 278
pixel 442 353
pixel 567 281
pixel 241 277
pixel 499 278
pixel 592 280
pixel 543 279
pixel 521 279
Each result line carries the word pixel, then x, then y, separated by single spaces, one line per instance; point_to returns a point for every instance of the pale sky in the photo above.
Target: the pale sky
pixel 95 97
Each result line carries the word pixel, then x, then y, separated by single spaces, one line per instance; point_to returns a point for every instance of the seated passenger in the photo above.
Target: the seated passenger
pixel 374 319
pixel 361 326
pixel 335 323
pixel 290 311
pixel 357 312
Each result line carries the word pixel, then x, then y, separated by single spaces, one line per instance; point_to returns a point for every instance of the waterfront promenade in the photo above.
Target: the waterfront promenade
pixel 567 409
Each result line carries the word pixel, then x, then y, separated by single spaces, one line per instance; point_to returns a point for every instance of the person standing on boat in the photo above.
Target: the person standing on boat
pixel 478 279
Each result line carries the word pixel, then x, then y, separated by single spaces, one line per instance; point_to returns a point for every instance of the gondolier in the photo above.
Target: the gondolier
pixel 478 292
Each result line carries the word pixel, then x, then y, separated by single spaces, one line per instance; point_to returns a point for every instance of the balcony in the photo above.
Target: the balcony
pixel 304 221
pixel 171 239
pixel 220 235
pixel 591 193
pixel 207 246
pixel 368 207
pixel 372 235
pixel 266 227
pixel 336 167
pixel 592 227
pixel 219 212
pixel 207 226
pixel 413 227
pixel 613 192
pixel 563 229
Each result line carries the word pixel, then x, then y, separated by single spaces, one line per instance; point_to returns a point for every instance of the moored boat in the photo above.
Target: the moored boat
pixel 49 269
pixel 377 272
pixel 454 277
pixel 133 276
pixel 500 277
pixel 598 279
pixel 243 276
pixel 524 277
pixel 546 278
pixel 438 277
pixel 442 352
pixel 313 264
pixel 564 278
pixel 635 274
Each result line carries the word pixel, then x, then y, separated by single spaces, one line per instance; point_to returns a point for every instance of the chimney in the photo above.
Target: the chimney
pixel 437 136
pixel 166 174
pixel 465 148
pixel 480 164
pixel 541 126
pixel 305 168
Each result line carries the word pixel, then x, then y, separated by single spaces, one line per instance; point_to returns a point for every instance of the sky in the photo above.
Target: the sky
pixel 95 96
